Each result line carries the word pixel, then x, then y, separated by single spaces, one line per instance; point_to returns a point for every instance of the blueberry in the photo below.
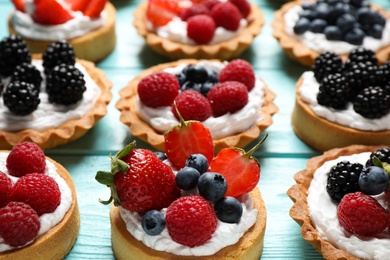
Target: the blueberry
pixel 212 186
pixel 302 25
pixel 379 19
pixel 190 85
pixel 187 178
pixel 359 3
pixel 308 14
pixel 375 31
pixel 365 15
pixel 322 10
pixel 318 25
pixel 373 180
pixel 333 33
pixel 354 36
pixel 206 87
pixel 338 10
pixel 198 161
pixel 346 22
pixel 307 6
pixel 181 77
pixel 228 209
pixel 153 222
pixel 197 74
pixel 161 155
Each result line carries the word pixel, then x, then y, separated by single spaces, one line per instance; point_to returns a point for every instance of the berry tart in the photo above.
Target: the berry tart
pixel 88 25
pixel 225 96
pixel 39 216
pixel 51 99
pixel 343 103
pixel 153 197
pixel 198 29
pixel 306 29
pixel 341 202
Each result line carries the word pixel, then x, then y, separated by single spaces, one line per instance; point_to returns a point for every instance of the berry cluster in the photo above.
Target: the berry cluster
pixel 360 81
pixel 341 20
pixel 32 195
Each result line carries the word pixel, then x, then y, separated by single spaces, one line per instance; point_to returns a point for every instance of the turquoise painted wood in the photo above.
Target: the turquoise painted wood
pixel 281 156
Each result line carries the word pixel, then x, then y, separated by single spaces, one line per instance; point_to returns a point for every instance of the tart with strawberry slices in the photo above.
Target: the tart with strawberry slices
pixel 230 100
pixel 198 29
pixel 88 25
pixel 38 205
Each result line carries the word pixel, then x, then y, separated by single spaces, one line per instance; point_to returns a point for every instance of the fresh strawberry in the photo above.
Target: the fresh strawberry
pixel 94 8
pixel 192 106
pixel 201 28
pixel 26 157
pixel 50 12
pixel 240 169
pixel 223 10
pixel 238 70
pixel 194 10
pixel 19 5
pixel 19 224
pixel 160 12
pixel 361 214
pixel 139 180
pixel 191 221
pixel 77 5
pixel 243 6
pixel 38 190
pixel 227 97
pixel 158 89
pixel 5 189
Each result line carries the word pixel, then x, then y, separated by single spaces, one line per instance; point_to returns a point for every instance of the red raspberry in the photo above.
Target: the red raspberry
pixel 201 28
pixel 191 221
pixel 226 15
pixel 40 191
pixel 194 10
pixel 5 189
pixel 227 97
pixel 243 6
pixel 361 214
pixel 158 89
pixel 19 224
pixel 192 106
pixel 26 158
pixel 238 70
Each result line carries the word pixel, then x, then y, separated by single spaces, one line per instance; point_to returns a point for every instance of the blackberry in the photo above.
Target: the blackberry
pixel 343 179
pixel 332 92
pixel 21 98
pixel 372 102
pixel 27 72
pixel 359 76
pixel 325 64
pixel 57 53
pixel 1 88
pixel 13 51
pixel 382 154
pixel 65 85
pixel 383 74
pixel 360 55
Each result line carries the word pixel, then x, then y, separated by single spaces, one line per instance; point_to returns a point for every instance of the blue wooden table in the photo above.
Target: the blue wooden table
pixel 282 155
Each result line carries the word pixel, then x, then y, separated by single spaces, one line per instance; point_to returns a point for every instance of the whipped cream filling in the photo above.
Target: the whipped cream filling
pixel 49 115
pixel 47 220
pixel 162 119
pixel 319 43
pixel 348 117
pixel 323 213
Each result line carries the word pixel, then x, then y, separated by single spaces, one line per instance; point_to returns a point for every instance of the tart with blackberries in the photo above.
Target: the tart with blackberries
pixel 209 29
pixel 226 97
pixel 50 99
pixel 343 103
pixel 306 29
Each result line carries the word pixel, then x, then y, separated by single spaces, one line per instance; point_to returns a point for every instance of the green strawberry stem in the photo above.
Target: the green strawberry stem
pixel 257 146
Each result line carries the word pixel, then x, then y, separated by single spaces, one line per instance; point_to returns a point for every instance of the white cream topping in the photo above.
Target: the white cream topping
pixel 162 119
pixel 323 213
pixel 50 115
pixel 47 220
pixel 319 43
pixel 348 117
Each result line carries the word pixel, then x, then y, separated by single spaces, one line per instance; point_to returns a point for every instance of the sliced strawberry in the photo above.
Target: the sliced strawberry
pixel 77 5
pixel 160 12
pixel 19 5
pixel 50 12
pixel 94 8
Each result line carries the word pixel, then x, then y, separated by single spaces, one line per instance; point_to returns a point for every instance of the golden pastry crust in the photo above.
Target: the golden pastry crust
pixel 297 51
pixel 300 211
pixel 93 46
pixel 59 240
pixel 250 246
pixel 142 130
pixel 71 130
pixel 325 135
pixel 225 51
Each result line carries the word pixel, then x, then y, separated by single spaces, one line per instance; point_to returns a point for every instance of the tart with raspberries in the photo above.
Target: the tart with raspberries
pixel 50 99
pixel 306 29
pixel 39 215
pixel 225 96
pixel 343 103
pixel 198 29
pixel 341 201
pixel 88 25
pixel 160 222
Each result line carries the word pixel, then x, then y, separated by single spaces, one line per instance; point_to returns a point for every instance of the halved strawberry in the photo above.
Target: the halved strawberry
pixel 50 12
pixel 19 5
pixel 77 5
pixel 94 8
pixel 160 12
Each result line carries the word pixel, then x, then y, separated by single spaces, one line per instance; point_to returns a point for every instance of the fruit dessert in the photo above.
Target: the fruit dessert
pixel 198 29
pixel 225 96
pixel 306 29
pixel 51 99
pixel 185 203
pixel 341 202
pixel 88 25
pixel 343 103
pixel 39 216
